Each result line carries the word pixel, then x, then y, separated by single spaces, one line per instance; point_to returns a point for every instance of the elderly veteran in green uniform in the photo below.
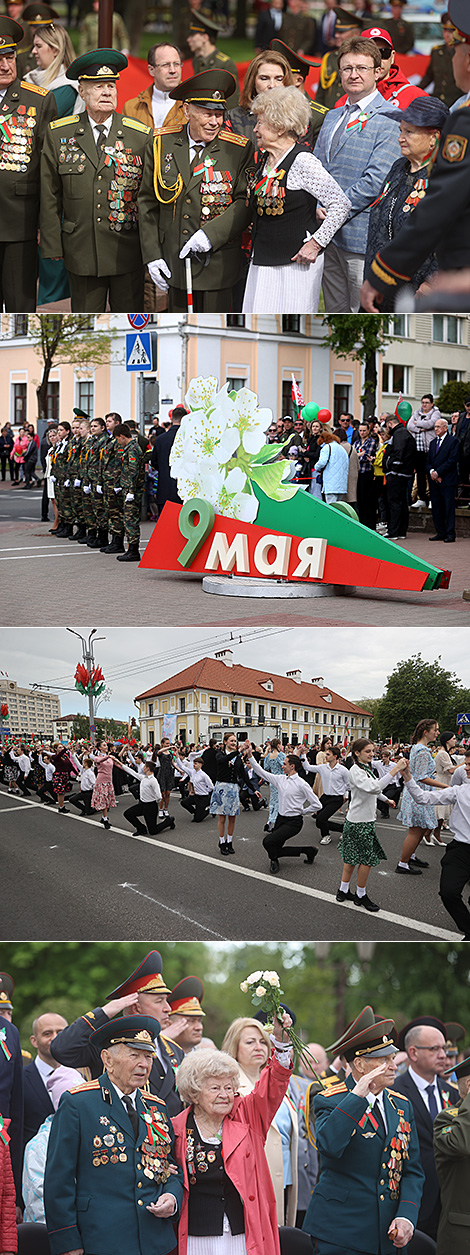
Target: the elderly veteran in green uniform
pixel 368 1192
pixel 205 56
pixel 193 200
pixel 132 482
pixel 25 111
pixel 441 221
pixel 330 87
pixel 452 1158
pixel 90 175
pixel 111 1182
pixel 301 70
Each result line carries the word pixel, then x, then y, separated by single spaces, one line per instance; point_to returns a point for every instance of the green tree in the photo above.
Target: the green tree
pixel 372 705
pixel 415 690
pixel 81 727
pixel 452 396
pixel 64 339
pixel 359 336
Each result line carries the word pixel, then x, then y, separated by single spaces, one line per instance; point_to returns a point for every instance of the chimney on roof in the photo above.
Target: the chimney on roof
pixel 294 675
pixel 226 656
pixel 318 679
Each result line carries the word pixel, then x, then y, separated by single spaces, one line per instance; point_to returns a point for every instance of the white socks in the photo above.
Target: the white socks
pixel 360 893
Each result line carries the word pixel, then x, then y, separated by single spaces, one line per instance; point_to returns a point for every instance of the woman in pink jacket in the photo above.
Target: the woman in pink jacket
pixel 103 795
pixel 228 1202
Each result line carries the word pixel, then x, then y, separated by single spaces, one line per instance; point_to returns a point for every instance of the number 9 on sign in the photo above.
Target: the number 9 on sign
pixel 195 522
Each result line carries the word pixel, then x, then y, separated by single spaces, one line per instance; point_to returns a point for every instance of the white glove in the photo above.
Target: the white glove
pixel 87 488
pixel 76 483
pixel 53 479
pixel 130 496
pixel 118 489
pixel 159 273
pixel 99 489
pixel 199 243
pixel 66 483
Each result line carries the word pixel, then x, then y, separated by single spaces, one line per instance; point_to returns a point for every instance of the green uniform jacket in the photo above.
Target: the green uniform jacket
pixel 99 231
pixel 74 461
pixel 132 468
pixel 23 104
pixel 165 228
pixel 95 458
pixel 402 34
pixel 330 87
pixel 317 117
pixel 452 1157
pixel 111 464
pixel 439 72
pixel 100 1177
pixel 219 61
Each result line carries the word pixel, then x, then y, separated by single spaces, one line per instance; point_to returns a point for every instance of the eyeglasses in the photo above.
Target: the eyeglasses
pixel 433 1049
pixel 356 69
pixel 166 65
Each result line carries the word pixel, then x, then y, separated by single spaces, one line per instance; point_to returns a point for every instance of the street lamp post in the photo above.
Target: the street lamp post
pixel 89 662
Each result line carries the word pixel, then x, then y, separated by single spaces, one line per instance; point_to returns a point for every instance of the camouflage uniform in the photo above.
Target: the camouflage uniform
pixel 76 489
pixel 87 501
pixel 111 466
pixel 62 475
pixel 132 482
pixel 94 479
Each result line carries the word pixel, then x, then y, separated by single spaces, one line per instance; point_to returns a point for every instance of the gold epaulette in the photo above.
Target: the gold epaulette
pixel 318 107
pixel 32 88
pixel 395 1094
pixel 169 130
pixel 170 1039
pixel 72 117
pixel 327 78
pixel 78 1089
pixel 136 126
pixel 222 56
pixel 233 138
pixel 151 1097
pixel 330 1091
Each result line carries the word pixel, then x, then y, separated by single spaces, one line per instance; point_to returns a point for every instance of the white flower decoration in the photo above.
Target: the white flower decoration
pixel 244 986
pixel 260 991
pixel 202 393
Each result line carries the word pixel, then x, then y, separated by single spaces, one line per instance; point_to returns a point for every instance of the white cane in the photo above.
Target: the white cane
pixel 189 284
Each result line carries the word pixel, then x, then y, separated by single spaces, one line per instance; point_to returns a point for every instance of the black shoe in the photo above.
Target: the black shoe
pixel 408 871
pixel 68 531
pixel 84 539
pixel 311 853
pixel 274 866
pixel 418 862
pixel 223 848
pixel 341 896
pixel 116 545
pixel 81 533
pixel 96 543
pixel 230 849
pixel 436 537
pixel 105 822
pixel 366 902
pixel 267 828
pixel 63 811
pixel 60 530
pixel 449 540
pixel 91 537
pixel 132 554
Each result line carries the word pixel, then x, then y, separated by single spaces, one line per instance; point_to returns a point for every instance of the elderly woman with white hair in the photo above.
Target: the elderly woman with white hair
pixel 228 1197
pixel 286 264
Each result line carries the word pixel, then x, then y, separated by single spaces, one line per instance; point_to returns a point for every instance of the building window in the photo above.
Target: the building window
pixel 446 329
pixel 273 712
pixel 395 378
pixel 20 325
pixel 86 396
pixel 236 723
pixel 236 320
pixel 305 716
pixel 294 716
pixel 317 717
pixel 213 705
pixel 248 708
pixel 52 401
pixel 440 377
pixel 284 712
pixel 234 708
pixel 183 705
pixel 400 326
pixel 150 709
pixel 291 324
pixel 152 737
pixel 261 714
pixel 87 323
pixel 325 718
pixel 235 383
pixel 19 403
pixel 340 400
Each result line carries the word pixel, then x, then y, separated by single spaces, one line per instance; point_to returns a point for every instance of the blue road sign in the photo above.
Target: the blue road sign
pixel 464 718
pixel 138 350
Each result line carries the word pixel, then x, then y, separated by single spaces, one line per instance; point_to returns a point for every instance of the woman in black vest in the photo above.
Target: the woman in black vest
pixel 225 799
pixel 284 192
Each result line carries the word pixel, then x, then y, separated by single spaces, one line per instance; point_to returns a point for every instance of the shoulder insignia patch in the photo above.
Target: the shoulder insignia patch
pixel 395 1094
pixel 31 87
pixel 136 126
pixel 334 1089
pixel 79 1089
pixel 175 129
pixel 453 1111
pixel 233 138
pixel 151 1097
pixel 318 108
pixel 222 56
pixel 72 117
pixel 455 147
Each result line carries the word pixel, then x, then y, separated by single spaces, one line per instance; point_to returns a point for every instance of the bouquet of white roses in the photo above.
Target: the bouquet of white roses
pixel 220 451
pixel 266 992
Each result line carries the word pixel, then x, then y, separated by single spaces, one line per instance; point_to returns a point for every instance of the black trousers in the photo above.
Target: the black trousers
pixel 286 826
pixel 455 875
pixel 197 804
pixel 216 301
pixel 21 782
pixel 18 270
pixel 90 294
pixel 397 504
pixel 421 458
pixel 330 803
pixel 82 801
pixel 149 811
pixel 366 502
pixel 47 790
pixel 443 508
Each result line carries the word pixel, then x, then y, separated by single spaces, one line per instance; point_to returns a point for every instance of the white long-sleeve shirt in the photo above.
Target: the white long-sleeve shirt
pixel 335 780
pixel 293 792
pixel 87 779
pixel 23 762
pixel 365 790
pixel 149 788
pixel 458 795
pixel 48 768
pixel 201 782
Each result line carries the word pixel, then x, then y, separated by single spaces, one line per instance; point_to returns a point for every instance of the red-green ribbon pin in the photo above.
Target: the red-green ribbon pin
pixel 206 168
pixel 368 1116
pixel 5 128
pixel 3 1043
pixel 154 1133
pixel 265 184
pixel 359 122
pixel 4 1136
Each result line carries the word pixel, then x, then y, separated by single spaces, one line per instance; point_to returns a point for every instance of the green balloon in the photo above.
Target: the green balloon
pixel 310 411
pixel 404 411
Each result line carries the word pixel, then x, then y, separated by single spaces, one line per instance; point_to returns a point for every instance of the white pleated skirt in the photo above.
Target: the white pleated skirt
pixel 225 1244
pixel 291 289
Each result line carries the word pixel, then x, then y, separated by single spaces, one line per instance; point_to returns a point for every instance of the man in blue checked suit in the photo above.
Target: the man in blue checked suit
pixel 357 145
pixel 366 1200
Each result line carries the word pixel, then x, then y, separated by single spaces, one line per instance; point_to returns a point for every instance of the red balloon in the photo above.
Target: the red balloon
pixel 324 416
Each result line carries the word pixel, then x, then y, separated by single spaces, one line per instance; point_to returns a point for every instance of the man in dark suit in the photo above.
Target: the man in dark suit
pixel 442 467
pixel 167 488
pixel 37 1101
pixel 424 1040
pixel 143 993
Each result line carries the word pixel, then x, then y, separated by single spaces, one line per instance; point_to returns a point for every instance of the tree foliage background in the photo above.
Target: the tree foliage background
pixel 67 338
pixel 359 336
pixel 325 984
pixel 419 690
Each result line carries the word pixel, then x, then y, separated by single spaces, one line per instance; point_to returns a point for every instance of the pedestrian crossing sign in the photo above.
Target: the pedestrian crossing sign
pixel 139 350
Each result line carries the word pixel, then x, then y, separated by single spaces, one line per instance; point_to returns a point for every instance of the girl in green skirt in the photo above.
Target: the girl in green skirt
pixel 359 844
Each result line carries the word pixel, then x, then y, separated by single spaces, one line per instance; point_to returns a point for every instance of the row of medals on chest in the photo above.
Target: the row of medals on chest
pixel 111 1148
pixel 398 1154
pixel 15 153
pixel 216 193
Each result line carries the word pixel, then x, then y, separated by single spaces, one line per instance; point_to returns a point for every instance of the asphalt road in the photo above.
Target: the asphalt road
pixel 66 878
pixel 39 574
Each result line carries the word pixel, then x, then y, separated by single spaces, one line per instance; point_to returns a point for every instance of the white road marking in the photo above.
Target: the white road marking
pixel 165 906
pixel 18 548
pixel 6 810
pixel 27 557
pixel 420 926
